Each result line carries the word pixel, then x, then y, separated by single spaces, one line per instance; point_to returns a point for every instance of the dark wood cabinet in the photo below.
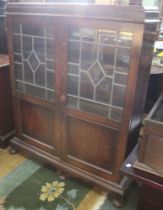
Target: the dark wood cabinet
pixel 3 35
pixel 79 80
pixel 6 114
pixel 151 188
pixel 150 155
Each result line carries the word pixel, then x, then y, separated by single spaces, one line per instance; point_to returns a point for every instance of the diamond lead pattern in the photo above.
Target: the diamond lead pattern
pixel 33 60
pixel 96 73
pixel 102 78
pixel 32 55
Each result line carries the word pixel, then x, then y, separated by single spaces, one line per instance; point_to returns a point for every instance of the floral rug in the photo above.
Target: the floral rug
pixel 27 185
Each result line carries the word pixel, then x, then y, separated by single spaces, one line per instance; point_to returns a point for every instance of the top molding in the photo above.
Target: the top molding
pixel 137 14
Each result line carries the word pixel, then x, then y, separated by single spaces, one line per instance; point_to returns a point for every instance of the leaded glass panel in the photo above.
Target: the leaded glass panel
pixel 86 86
pixel 110 38
pixel 18 71
pixel 19 86
pixel 118 95
pixel 107 59
pixel 17 44
pixel 91 106
pixel 34 60
pixel 18 58
pixel 88 55
pixel 74 52
pixel 103 91
pixel 125 39
pixel 73 85
pixel 98 66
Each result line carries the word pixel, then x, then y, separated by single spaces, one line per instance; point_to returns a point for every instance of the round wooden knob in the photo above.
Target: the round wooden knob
pixel 62 98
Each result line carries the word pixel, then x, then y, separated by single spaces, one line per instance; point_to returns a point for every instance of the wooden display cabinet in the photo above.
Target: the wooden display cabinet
pixel 6 114
pixel 79 81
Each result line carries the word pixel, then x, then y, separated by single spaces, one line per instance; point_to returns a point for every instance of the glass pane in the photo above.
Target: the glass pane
pixel 118 96
pixel 86 86
pixel 28 73
pixel 34 60
pixel 74 33
pixel 123 60
pixel 73 52
pixel 17 44
pixel 50 96
pixel 50 65
pixel 50 49
pixel 50 79
pixel 73 85
pixel 27 46
pixel 40 76
pixel 93 108
pixel 121 78
pixel 72 102
pixel 18 58
pixel 39 47
pixel 73 68
pixel 36 91
pixel 18 71
pixel 103 90
pixel 89 35
pixel 49 32
pixel 19 86
pixel 116 114
pixel 33 30
pixel 125 39
pixel 108 37
pixel 107 59
pixel 88 55
pixel 16 28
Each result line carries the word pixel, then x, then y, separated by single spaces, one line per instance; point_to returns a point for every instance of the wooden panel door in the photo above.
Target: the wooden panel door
pixel 98 64
pixel 33 61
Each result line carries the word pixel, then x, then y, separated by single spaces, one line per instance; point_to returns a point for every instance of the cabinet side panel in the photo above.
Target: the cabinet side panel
pixel 142 87
pixel 6 114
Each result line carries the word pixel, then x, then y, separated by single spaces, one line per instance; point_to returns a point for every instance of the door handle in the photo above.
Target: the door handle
pixel 62 98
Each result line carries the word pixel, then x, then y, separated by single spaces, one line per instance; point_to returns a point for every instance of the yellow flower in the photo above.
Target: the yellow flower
pixel 2 202
pixel 52 191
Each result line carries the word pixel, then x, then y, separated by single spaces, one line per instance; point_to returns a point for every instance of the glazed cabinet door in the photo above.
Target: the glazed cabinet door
pixel 98 64
pixel 31 43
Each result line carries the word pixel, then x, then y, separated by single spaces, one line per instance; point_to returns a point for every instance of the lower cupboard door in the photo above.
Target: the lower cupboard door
pixel 91 147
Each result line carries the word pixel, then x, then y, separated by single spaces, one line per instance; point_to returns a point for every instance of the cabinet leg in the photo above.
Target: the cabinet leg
pixel 63 175
pixel 13 150
pixel 118 201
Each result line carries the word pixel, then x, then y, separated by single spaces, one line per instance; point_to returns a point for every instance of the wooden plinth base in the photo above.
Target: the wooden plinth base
pixel 118 188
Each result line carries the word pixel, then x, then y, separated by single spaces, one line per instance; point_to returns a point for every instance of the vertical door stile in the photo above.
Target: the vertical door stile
pixel 61 86
pixel 15 102
pixel 131 92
